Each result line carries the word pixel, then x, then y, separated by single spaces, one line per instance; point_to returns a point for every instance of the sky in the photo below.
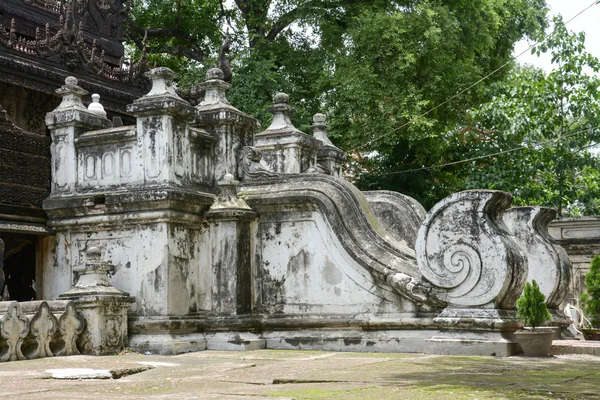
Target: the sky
pixel 588 22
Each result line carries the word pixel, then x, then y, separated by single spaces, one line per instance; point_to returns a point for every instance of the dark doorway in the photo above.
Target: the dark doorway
pixel 17 282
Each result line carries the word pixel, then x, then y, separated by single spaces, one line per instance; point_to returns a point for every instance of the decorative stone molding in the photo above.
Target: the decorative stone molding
pixel 252 167
pixel 547 261
pixel 103 307
pixel 38 329
pixel 162 99
pixel 286 149
pixel 14 327
pixel 66 123
pixel 95 106
pixel 355 225
pixel 330 158
pixel 400 215
pixel 463 250
pixel 43 327
pixel 231 128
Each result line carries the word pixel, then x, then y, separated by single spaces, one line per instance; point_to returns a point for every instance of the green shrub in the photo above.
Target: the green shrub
pixel 531 307
pixel 590 298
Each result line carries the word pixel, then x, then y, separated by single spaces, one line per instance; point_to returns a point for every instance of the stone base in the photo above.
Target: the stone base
pixel 349 340
pixel 470 347
pixel 475 332
pixel 234 341
pixel 168 343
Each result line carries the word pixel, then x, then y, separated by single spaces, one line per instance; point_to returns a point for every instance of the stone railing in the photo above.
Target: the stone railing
pixel 38 329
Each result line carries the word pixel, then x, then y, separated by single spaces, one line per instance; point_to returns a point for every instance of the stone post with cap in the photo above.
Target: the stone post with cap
pixel 286 149
pixel 329 157
pixel 103 307
pixel 66 122
pixel 230 128
pixel 162 119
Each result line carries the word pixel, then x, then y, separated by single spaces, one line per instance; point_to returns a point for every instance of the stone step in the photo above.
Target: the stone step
pixel 562 347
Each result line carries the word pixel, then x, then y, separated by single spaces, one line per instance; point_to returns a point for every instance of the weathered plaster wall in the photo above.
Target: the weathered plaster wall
pixel 158 263
pixel 580 237
pixel 304 269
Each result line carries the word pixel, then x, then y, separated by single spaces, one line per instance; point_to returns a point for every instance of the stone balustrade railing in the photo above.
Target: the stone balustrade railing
pixel 38 329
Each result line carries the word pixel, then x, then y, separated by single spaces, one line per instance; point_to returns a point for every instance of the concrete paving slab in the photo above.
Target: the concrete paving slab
pixel 270 374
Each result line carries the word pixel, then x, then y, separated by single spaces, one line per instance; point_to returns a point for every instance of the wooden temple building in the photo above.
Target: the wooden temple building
pixel 41 43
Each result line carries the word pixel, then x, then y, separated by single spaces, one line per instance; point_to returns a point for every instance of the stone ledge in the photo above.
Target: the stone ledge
pixel 564 347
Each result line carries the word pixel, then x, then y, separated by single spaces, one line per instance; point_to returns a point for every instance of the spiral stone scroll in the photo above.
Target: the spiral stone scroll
pixel 463 249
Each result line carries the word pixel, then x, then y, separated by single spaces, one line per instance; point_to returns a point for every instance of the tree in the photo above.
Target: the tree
pixel 531 306
pixel 372 65
pixel 553 120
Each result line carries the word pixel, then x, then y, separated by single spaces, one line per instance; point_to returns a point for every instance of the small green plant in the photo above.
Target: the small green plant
pixel 531 307
pixel 590 298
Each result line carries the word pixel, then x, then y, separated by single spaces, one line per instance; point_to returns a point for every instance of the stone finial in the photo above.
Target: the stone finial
pixel 162 82
pixel 215 88
pixel 320 129
pixel 72 95
pixel 214 73
pixel 95 106
pixel 228 198
pixel 282 113
pixel 93 277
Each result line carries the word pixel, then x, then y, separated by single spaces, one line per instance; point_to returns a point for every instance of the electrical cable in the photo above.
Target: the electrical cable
pixel 484 156
pixel 377 138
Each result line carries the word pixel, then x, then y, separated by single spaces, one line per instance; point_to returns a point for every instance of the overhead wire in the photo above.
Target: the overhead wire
pixel 377 138
pixel 499 153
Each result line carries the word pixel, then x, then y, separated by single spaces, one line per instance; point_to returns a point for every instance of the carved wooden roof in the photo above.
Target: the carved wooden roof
pixel 44 41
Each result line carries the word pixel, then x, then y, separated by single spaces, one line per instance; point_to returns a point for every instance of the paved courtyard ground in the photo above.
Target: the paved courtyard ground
pixel 270 374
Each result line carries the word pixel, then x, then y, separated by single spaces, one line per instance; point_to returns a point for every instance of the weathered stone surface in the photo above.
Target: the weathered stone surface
pixel 14 327
pixel 70 325
pixel 330 158
pixel 462 251
pixel 44 326
pixel 547 262
pixel 580 238
pixel 400 215
pixel 224 250
pixel 354 227
pixel 232 128
pixel 286 149
pixel 103 307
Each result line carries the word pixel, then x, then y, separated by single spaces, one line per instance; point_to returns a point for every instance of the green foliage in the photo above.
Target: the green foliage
pixel 590 298
pixel 531 306
pixel 553 119
pixel 372 65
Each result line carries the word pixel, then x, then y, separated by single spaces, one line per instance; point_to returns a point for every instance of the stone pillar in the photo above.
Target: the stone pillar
pixel 231 128
pixel 231 242
pixel 329 157
pixel 103 307
pixel 285 149
pixel 162 118
pixel 66 123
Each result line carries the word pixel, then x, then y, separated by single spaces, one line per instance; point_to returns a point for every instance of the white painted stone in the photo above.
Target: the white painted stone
pixel 463 250
pixel 157 364
pixel 547 262
pixel 79 373
pixel 95 106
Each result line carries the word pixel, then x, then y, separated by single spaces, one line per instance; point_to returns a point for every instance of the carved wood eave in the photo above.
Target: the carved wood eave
pixel 41 76
pixel 44 41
